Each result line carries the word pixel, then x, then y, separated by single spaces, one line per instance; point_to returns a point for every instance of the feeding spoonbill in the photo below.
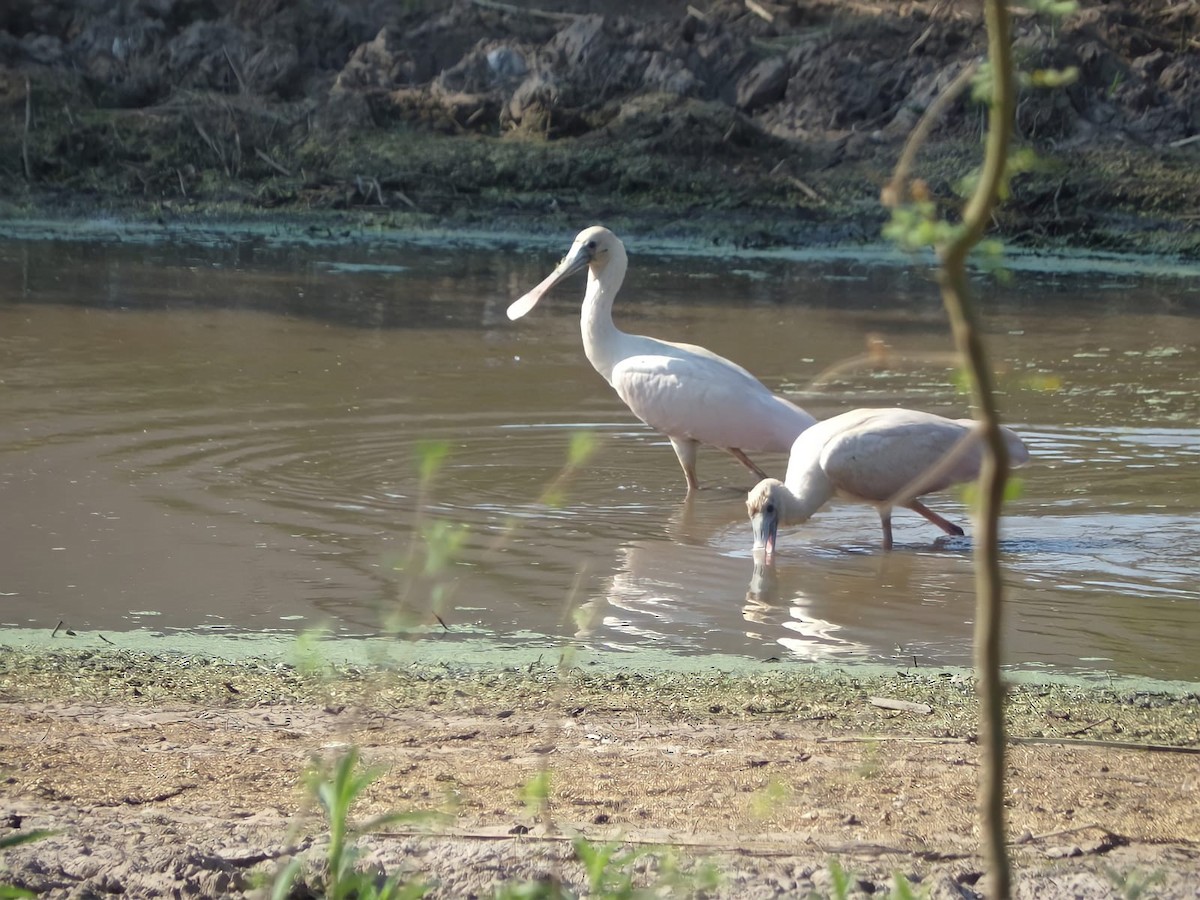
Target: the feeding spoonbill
pixel 870 455
pixel 689 393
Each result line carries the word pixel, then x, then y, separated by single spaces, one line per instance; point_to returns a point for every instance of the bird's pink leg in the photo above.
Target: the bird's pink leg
pixel 885 519
pixel 944 524
pixel 746 461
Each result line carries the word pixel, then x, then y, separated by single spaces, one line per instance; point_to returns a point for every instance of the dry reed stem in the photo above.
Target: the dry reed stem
pixel 25 133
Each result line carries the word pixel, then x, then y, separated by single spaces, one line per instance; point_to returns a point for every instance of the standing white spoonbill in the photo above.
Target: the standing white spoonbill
pixel 870 455
pixel 689 393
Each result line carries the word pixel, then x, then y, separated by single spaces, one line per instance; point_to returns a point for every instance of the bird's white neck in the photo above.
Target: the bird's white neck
pixel 600 336
pixel 802 496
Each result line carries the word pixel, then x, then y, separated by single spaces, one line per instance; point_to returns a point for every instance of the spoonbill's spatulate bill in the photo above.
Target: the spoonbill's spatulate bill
pixel 871 455
pixel 689 393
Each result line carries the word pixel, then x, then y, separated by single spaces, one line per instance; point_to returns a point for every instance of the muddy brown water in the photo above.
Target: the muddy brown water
pixel 228 437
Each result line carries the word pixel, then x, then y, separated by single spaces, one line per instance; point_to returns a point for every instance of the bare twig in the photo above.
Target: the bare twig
pixel 880 738
pixel 182 186
pixel 1062 832
pixel 236 73
pixel 1056 742
pixel 524 11
pixel 1113 745
pixel 895 191
pixel 157 798
pixel 759 848
pixel 236 155
pixel 25 133
pixel 759 10
pixel 808 190
pixel 270 162
pixel 879 356
pixel 1089 726
pixel 404 198
pixel 901 705
pixel 211 143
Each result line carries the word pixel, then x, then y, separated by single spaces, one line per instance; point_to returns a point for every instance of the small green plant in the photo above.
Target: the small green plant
pixel 336 787
pixel 433 549
pixel 535 794
pixel 545 889
pixel 869 766
pixel 443 542
pixel 609 872
pixel 610 876
pixel 1135 884
pixel 903 890
pixel 430 456
pixel 771 797
pixel 840 880
pixel 580 450
pixel 8 891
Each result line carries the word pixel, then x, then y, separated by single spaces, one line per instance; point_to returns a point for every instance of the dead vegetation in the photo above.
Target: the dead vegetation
pixel 787 116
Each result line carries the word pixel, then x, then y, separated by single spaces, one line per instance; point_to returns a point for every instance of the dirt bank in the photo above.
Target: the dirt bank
pixel 181 776
pixel 749 123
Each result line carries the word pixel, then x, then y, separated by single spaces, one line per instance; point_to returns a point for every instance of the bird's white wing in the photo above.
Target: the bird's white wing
pixel 699 396
pixel 880 452
pixel 705 353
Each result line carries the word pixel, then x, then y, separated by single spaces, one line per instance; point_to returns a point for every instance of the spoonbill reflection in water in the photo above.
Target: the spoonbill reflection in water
pixel 871 455
pixel 689 393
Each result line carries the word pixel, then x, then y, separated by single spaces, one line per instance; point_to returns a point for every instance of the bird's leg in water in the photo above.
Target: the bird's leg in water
pixel 885 519
pixel 745 461
pixel 685 449
pixel 944 524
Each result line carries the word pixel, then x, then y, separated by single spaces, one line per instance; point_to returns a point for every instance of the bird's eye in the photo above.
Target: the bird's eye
pixel 591 245
pixel 770 507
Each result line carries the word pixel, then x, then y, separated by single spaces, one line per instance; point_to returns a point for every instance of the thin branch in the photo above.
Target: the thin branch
pixel 1111 745
pixel 880 738
pixel 524 11
pixel 968 336
pixel 236 73
pixel 809 190
pixel 270 162
pixel 1062 832
pixel 1089 726
pixel 25 133
pixel 213 144
pixel 759 10
pixel 895 191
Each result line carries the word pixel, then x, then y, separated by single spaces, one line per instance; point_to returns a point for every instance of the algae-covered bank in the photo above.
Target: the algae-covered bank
pixel 744 124
pixel 165 773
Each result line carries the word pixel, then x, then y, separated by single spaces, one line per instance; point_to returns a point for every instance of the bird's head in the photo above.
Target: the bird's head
pixel 592 249
pixel 763 504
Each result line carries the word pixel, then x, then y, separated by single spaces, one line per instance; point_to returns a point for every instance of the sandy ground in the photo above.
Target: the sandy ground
pixel 172 790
